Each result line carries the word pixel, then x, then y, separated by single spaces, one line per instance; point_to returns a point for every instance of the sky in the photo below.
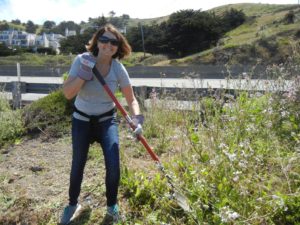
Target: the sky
pixel 38 11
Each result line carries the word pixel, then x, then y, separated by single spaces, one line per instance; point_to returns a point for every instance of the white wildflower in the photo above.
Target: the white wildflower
pixel 284 113
pixel 269 124
pixel 243 164
pixel 230 156
pixel 227 215
pixel 234 216
pixel 236 176
pixel 250 128
pixel 244 192
pixel 237 172
pixel 203 170
pixel 244 154
pixel 212 162
pixel 268 111
pixel 260 199
pixel 232 118
pixel 278 201
pixel 223 146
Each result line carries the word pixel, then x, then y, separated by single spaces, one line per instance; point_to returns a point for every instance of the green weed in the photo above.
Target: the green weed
pixel 11 124
pixel 239 164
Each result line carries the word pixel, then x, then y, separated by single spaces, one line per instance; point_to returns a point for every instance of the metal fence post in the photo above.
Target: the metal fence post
pixel 141 93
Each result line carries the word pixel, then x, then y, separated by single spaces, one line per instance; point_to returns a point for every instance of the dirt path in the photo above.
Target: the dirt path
pixel 34 178
pixel 35 175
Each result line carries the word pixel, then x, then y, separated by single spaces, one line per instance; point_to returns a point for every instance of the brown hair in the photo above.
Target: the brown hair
pixel 124 48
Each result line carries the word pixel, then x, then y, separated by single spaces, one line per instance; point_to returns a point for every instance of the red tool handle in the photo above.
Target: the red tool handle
pixel 140 137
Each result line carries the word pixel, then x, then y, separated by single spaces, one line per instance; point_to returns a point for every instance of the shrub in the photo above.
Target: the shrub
pixel 50 115
pixel 49 51
pixel 289 17
pixel 5 51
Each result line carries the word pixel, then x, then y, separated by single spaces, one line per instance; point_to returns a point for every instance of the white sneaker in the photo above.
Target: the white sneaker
pixel 70 213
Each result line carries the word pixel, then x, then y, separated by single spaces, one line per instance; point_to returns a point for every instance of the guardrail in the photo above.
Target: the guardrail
pixel 24 89
pixel 29 89
pixel 194 71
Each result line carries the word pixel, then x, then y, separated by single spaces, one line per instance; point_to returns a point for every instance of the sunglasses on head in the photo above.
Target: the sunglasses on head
pixel 105 40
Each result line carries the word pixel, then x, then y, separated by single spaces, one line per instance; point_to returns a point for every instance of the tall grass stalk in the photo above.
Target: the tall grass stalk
pixel 240 163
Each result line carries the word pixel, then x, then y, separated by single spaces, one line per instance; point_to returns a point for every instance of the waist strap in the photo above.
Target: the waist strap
pixel 96 117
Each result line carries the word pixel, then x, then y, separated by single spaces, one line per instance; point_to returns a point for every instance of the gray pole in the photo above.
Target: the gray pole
pixel 16 89
pixel 143 42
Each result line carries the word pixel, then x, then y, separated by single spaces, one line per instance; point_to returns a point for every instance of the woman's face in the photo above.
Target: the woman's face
pixel 108 44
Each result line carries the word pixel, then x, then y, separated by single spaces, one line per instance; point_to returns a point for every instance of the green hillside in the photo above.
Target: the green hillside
pixel 265 35
pixel 135 21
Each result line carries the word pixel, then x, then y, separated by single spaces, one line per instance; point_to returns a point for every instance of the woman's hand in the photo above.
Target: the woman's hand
pixel 138 121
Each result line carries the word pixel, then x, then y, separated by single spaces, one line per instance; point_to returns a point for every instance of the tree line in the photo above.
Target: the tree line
pixel 47 27
pixel 185 32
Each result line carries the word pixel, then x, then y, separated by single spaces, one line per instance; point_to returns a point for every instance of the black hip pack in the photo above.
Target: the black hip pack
pixel 96 118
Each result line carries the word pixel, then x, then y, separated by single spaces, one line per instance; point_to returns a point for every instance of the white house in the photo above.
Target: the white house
pixel 17 38
pixel 6 37
pixel 54 41
pixel 42 41
pixel 70 32
pixel 23 39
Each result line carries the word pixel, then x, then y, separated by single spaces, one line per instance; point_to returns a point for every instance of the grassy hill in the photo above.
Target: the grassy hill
pixel 265 36
pixel 134 21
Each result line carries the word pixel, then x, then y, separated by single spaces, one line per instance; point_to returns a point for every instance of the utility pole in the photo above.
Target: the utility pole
pixel 143 42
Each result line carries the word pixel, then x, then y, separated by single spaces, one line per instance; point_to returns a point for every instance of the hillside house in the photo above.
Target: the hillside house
pixel 69 33
pixel 15 38
pixel 54 41
pixel 42 41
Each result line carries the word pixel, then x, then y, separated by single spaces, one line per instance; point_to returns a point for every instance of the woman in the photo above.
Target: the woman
pixel 94 118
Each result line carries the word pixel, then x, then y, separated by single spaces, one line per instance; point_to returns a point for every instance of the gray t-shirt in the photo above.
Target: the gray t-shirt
pixel 92 99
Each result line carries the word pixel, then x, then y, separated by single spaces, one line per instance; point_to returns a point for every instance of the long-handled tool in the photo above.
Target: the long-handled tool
pixel 181 199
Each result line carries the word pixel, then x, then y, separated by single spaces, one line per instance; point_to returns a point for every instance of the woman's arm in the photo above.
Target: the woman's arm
pixel 131 100
pixel 72 86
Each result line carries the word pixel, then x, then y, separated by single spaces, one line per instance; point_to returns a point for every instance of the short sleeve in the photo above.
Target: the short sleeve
pixel 75 67
pixel 123 77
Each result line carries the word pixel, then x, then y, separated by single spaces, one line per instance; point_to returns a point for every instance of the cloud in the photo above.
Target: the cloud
pixel 81 10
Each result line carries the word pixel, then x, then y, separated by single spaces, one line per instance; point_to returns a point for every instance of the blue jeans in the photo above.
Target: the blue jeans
pixel 106 133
